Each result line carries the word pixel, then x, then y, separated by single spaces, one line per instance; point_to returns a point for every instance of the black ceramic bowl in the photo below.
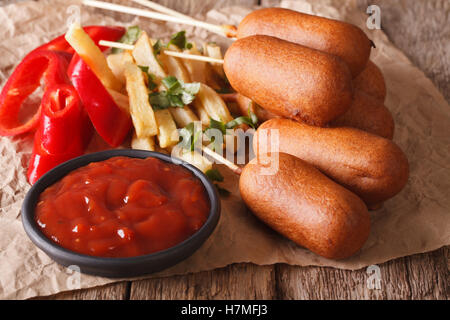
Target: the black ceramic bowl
pixel 116 267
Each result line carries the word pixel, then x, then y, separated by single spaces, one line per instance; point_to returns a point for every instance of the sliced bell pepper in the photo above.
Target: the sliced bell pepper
pixel 110 120
pixel 43 60
pixel 97 33
pixel 26 78
pixel 63 130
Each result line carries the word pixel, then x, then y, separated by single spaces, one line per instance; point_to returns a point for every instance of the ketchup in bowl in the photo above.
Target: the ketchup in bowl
pixel 123 207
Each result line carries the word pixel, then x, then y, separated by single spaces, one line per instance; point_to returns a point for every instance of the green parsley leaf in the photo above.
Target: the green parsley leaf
pixel 253 117
pixel 130 37
pixel 144 69
pixel 214 175
pixel 172 84
pixel 251 120
pixel 151 81
pixel 159 100
pixel 150 77
pixel 214 124
pixel 157 47
pixel 179 39
pixel 178 94
pixel 175 101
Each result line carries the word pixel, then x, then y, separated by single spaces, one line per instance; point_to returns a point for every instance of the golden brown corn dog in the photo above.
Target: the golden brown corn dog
pixel 374 168
pixel 341 39
pixel 307 207
pixel 369 114
pixel 371 81
pixel 288 79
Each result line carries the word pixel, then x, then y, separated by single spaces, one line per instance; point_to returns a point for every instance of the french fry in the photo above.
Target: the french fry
pixel 116 63
pixel 92 55
pixel 144 56
pixel 202 114
pixel 212 103
pixel 141 111
pixel 145 143
pixel 121 99
pixel 212 50
pixel 175 66
pixel 183 116
pixel 167 130
pixel 192 157
pixel 196 69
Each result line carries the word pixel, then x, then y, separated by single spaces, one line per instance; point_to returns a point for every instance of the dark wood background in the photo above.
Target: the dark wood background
pixel 420 29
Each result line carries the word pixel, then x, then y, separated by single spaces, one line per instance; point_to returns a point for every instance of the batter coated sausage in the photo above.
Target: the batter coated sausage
pixel 307 207
pixel 369 114
pixel 288 79
pixel 371 81
pixel 372 167
pixel 339 38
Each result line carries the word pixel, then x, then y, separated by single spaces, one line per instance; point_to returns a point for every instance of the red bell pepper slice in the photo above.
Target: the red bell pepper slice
pixel 110 120
pixel 62 133
pixel 97 33
pixel 24 81
pixel 26 77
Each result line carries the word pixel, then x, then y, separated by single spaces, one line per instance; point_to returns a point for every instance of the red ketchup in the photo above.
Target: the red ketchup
pixel 123 207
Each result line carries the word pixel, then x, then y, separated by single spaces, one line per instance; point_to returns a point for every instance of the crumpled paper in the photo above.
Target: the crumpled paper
pixel 415 221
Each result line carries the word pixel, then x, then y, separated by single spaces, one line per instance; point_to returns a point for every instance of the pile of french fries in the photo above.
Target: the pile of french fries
pixel 122 74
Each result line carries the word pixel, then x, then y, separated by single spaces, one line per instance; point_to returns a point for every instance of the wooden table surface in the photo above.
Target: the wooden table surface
pixel 420 29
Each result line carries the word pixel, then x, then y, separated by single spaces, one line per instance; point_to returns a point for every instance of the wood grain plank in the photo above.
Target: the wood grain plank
pixel 421 276
pixel 114 291
pixel 238 281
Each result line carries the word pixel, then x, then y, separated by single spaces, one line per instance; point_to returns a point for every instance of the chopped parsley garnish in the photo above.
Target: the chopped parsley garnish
pixel 130 37
pixel 178 94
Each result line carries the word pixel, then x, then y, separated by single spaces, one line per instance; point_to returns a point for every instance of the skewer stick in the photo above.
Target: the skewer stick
pixel 228 30
pixel 118 45
pixel 157 7
pixel 167 52
pixel 236 169
pixel 192 56
pixel 225 31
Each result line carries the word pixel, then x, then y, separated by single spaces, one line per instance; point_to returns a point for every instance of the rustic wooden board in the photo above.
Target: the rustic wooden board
pixel 114 291
pixel 422 276
pixel 238 281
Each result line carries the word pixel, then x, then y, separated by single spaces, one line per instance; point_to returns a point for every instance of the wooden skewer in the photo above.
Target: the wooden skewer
pixel 228 30
pixel 167 52
pixel 118 45
pixel 225 31
pixel 162 9
pixel 236 169
pixel 192 56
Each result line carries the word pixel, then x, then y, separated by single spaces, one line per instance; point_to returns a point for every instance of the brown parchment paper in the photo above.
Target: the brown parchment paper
pixel 417 220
